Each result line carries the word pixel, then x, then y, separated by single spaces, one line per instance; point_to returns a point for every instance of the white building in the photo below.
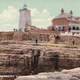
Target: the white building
pixel 24 19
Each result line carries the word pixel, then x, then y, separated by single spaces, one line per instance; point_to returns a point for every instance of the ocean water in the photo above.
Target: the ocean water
pixel 73 74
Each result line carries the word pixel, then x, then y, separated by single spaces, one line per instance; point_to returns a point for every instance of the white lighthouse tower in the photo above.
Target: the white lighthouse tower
pixel 24 19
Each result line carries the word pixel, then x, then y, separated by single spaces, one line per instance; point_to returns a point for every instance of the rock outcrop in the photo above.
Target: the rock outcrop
pixel 73 74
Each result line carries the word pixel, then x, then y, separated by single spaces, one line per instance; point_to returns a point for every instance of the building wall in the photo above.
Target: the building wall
pixel 61 24
pixel 61 21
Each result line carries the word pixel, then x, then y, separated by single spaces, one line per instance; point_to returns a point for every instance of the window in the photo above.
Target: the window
pixel 59 28
pixel 73 27
pixel 62 28
pixel 69 28
pixel 77 28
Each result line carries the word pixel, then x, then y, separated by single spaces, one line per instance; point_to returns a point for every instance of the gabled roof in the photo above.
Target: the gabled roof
pixel 64 15
pixel 68 17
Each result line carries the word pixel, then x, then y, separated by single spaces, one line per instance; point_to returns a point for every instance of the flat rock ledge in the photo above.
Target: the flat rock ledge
pixel 73 74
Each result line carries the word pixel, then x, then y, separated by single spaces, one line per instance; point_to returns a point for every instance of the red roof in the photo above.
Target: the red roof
pixel 69 17
pixel 41 31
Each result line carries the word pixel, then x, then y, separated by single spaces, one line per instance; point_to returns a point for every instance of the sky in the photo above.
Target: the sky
pixel 42 11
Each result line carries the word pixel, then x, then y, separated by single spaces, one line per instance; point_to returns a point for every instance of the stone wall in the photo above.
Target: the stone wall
pixel 6 36
pixel 49 59
pixel 24 36
pixel 70 39
pixel 66 59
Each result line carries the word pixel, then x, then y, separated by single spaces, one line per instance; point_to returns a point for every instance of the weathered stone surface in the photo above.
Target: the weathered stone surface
pixel 73 74
pixel 18 56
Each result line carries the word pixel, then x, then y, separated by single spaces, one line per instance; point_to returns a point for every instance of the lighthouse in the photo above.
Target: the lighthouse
pixel 24 18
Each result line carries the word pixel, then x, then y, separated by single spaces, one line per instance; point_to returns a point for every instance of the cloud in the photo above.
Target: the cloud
pixel 8 18
pixel 9 14
pixel 42 18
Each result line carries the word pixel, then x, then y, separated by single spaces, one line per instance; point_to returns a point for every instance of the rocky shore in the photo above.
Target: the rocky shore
pixel 26 58
pixel 73 74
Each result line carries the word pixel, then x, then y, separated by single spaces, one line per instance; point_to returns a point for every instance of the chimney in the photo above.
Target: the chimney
pixel 71 13
pixel 62 11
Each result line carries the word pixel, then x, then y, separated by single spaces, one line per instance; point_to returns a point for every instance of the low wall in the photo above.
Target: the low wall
pixel 70 39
